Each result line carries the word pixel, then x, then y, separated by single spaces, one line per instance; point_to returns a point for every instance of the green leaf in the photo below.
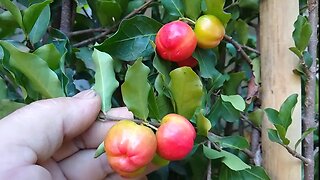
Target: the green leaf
pixel 304 135
pixel 224 110
pixel 242 31
pixel 250 4
pixel 50 54
pixel 211 153
pixel 296 51
pixel 42 78
pixel 302 32
pixel 3 89
pixel 113 8
pixel 173 7
pixel 256 117
pixel 85 54
pixel 135 89
pixel 192 8
pixel 273 116
pixel 100 150
pixel 186 90
pixel 7 107
pixel 207 61
pixel 164 104
pixel 235 142
pixel 8 24
pixel 255 173
pixel 256 70
pixel 215 7
pixel 14 10
pixel 153 106
pixel 105 80
pixel 32 13
pixel 236 101
pixel 163 67
pixel 41 25
pixel 233 161
pixel 307 58
pixel 203 124
pixel 132 40
pixel 273 136
pixel 282 133
pixel 286 110
pixel 230 87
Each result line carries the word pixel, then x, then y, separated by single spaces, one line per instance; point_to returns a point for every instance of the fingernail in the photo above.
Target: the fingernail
pixel 86 94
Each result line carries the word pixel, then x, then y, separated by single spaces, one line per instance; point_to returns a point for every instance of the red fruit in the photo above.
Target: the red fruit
pixel 175 41
pixel 129 147
pixel 175 137
pixel 190 62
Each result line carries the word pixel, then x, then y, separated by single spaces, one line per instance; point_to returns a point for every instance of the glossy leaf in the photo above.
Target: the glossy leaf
pixel 233 161
pixel 230 87
pixel 192 8
pixel 50 54
pixel 211 153
pixel 186 90
pixel 256 117
pixel 132 40
pixel 242 31
pixel 282 133
pixel 286 110
pixel 41 25
pixel 42 78
pixel 224 110
pixel 236 101
pixel 173 7
pixel 8 107
pixel 203 124
pixel 135 89
pixel 153 105
pixel 235 142
pixel 105 80
pixel 250 4
pixel 85 54
pixel 302 32
pixel 296 51
pixel 32 13
pixel 273 136
pixel 14 10
pixel 163 67
pixel 113 8
pixel 207 61
pixel 273 116
pixel 8 24
pixel 215 7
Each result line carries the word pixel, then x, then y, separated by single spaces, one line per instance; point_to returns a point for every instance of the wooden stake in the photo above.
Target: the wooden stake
pixel 278 82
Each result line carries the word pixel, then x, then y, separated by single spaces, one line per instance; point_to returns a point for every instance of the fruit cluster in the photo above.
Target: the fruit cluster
pixel 131 147
pixel 176 41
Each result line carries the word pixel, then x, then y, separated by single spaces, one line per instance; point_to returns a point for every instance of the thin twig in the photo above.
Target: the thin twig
pixel 250 49
pixel 91 30
pixel 294 153
pixel 238 48
pixel 112 28
pixel 209 169
pixel 244 118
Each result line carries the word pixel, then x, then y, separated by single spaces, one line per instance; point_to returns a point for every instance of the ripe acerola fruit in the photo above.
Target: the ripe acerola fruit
pixel 190 62
pixel 209 31
pixel 175 41
pixel 175 137
pixel 129 147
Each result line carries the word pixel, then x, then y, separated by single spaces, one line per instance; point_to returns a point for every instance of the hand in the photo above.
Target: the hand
pixel 56 139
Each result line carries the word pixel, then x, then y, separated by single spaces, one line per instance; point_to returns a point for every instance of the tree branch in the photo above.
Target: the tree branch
pixel 85 31
pixel 238 48
pixel 113 28
pixel 294 153
pixel 65 23
pixel 310 89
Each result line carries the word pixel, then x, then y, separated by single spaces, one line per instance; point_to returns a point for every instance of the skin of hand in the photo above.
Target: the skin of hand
pixel 56 139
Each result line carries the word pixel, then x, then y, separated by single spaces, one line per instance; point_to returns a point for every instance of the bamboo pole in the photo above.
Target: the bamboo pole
pixel 278 82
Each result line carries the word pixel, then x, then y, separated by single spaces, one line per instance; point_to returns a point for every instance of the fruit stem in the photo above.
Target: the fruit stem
pixel 188 20
pixel 150 126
